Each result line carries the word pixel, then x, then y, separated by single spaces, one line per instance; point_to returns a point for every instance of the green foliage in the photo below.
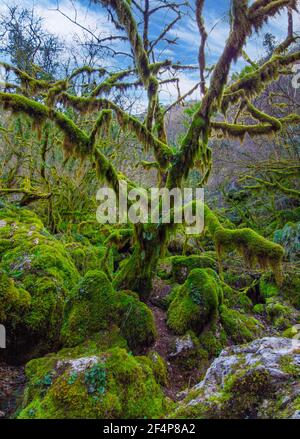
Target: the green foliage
pixel 95 379
pixel 267 287
pixel 289 238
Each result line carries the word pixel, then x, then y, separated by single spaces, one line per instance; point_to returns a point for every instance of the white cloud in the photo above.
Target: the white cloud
pixel 169 92
pixel 59 25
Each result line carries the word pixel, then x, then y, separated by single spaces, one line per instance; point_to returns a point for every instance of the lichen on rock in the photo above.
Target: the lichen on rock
pixel 256 380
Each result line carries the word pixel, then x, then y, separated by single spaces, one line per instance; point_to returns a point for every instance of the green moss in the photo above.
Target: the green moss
pixel 41 274
pixel 195 358
pixel 196 302
pixel 90 257
pixel 244 391
pixel 259 308
pixel 95 305
pixel 136 321
pixel 14 302
pixel 239 327
pixel 183 265
pixel 237 280
pixel 111 384
pixel 120 238
pixel 213 340
pixel 171 296
pixel 267 288
pixel 253 247
pixel 239 397
pixel 244 302
pixel 275 310
pixel 288 365
pixel 91 308
pixel 158 365
pixel 290 332
pixel 138 271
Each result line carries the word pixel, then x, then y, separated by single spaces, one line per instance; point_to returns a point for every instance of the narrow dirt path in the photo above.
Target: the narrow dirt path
pixel 165 345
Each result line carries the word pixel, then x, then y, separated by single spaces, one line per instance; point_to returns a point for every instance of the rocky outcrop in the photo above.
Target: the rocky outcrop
pixel 256 380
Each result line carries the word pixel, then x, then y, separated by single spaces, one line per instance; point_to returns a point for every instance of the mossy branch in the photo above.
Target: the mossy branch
pixel 76 142
pixel 261 10
pixel 125 17
pixel 239 131
pixel 275 185
pixel 162 151
pixel 253 247
pixel 254 83
pixel 29 196
pixel 195 143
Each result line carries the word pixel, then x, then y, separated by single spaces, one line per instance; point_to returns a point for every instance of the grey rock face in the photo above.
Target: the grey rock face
pixel 257 380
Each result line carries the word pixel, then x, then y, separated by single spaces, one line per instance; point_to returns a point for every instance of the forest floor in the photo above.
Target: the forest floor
pixel 12 383
pixel 179 378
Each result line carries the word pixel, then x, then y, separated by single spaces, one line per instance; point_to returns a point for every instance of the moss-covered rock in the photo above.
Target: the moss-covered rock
pixel 95 305
pixel 213 339
pixel 196 302
pixel 158 366
pixel 275 309
pixel 236 299
pixel 36 277
pixel 136 321
pixel 239 327
pixel 98 384
pixel 183 265
pixel 91 257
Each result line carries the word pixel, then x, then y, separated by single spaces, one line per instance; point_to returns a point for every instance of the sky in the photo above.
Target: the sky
pixel 216 18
